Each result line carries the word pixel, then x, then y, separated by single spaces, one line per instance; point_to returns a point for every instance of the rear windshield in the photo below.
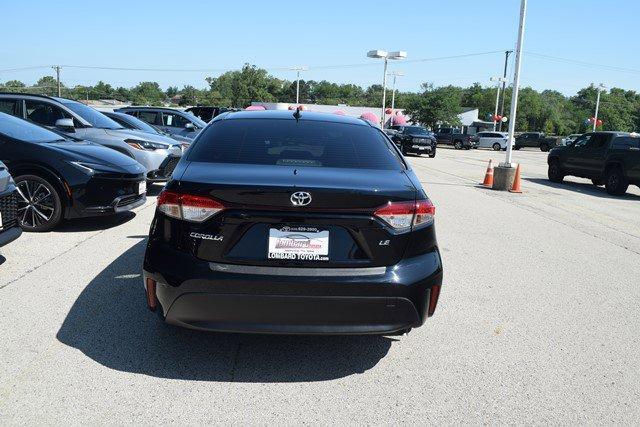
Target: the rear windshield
pixel 290 143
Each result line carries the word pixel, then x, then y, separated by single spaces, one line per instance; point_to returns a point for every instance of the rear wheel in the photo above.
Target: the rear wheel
pixel 615 182
pixel 497 147
pixel 39 203
pixel 554 172
pixel 515 147
pixel 544 147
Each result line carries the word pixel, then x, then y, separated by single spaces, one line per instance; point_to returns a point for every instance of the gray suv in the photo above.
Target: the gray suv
pixel 170 120
pixel 158 154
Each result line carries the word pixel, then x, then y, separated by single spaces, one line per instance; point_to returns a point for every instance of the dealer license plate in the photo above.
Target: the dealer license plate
pixel 142 187
pixel 298 243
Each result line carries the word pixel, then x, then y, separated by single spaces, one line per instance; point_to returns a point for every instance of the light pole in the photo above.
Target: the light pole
pixel 495 113
pixel 601 87
pixel 298 70
pixel 383 54
pixel 393 90
pixel 516 82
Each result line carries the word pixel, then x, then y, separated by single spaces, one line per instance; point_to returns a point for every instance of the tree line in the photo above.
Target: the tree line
pixel 549 111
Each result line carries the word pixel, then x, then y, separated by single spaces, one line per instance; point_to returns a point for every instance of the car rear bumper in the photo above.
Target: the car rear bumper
pixel 233 298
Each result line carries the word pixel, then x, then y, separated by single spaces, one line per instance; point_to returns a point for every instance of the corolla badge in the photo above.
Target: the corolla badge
pixel 300 198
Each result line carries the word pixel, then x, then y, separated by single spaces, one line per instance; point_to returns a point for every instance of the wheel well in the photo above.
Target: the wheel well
pixel 43 172
pixel 610 166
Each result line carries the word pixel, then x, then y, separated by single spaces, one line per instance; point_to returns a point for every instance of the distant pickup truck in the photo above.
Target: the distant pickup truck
pixel 609 158
pixel 453 136
pixel 537 140
pixel 413 139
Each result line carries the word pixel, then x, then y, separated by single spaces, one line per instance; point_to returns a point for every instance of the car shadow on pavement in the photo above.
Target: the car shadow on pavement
pixel 95 223
pixel 110 323
pixel 582 187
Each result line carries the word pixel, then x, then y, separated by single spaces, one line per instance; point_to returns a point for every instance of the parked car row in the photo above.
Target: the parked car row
pixel 69 160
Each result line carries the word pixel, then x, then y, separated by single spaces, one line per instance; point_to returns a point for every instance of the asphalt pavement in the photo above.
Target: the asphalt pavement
pixel 537 323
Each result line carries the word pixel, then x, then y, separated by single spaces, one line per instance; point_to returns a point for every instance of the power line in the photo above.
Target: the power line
pixel 222 70
pixel 583 63
pixel 33 67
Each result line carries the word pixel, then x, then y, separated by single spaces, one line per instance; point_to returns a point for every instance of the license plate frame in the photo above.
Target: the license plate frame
pixel 299 243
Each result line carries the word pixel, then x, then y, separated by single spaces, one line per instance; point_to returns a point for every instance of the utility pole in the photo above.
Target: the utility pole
pixel 57 68
pixel 601 87
pixel 504 92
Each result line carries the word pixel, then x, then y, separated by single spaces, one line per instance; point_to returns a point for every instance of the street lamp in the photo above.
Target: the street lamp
pixel 297 70
pixel 601 87
pixel 500 80
pixel 393 90
pixel 383 54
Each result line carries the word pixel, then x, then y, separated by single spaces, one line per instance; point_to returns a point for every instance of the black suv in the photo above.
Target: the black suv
pixel 281 222
pixel 413 139
pixel 609 158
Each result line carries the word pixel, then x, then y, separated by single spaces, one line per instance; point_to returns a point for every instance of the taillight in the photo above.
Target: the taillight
pixel 404 215
pixel 189 207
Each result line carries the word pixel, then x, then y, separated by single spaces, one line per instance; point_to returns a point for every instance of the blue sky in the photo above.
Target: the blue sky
pixel 218 35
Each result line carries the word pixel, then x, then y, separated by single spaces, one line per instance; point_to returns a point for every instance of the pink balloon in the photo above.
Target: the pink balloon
pixel 255 108
pixel 370 117
pixel 292 107
pixel 339 112
pixel 399 120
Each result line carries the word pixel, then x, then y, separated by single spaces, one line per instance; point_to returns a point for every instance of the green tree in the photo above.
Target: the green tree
pixel 147 93
pixel 434 106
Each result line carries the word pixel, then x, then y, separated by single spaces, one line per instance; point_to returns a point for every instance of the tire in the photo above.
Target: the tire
pixel 616 183
pixel 404 150
pixel 544 147
pixel 497 147
pixel 39 203
pixel 457 145
pixel 554 172
pixel 432 154
pixel 597 182
pixel 515 147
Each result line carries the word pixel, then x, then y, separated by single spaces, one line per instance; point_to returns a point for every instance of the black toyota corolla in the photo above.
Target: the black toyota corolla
pixel 58 177
pixel 281 222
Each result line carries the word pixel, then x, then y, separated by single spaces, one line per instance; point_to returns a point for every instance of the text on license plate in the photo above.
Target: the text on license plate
pixel 298 243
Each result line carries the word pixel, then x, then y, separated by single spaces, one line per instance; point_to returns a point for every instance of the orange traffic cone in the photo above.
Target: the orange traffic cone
pixel 515 188
pixel 488 176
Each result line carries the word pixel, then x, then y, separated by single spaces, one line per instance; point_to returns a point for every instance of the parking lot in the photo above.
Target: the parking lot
pixel 537 323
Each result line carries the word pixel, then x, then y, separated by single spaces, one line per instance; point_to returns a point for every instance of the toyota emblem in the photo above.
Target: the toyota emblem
pixel 300 198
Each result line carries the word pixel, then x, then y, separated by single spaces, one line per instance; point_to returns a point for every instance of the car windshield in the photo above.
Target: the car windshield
pixel 91 115
pixel 22 130
pixel 291 143
pixel 416 129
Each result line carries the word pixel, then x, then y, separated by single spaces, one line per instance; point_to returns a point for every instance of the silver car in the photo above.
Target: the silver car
pixel 158 154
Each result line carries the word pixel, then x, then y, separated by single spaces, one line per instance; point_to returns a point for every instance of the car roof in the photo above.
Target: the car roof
pixel 289 115
pixel 147 107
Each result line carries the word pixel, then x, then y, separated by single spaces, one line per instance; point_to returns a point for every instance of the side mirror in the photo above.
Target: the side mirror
pixel 65 125
pixel 190 126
